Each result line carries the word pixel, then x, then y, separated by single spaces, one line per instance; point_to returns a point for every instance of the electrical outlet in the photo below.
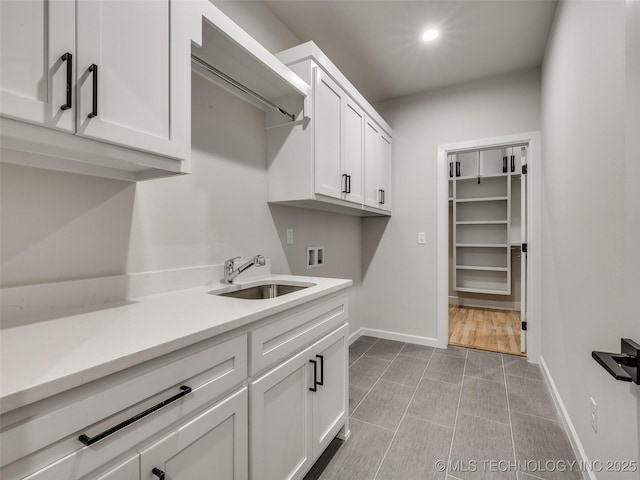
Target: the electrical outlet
pixel 422 238
pixel 315 257
pixel 594 415
pixel 289 236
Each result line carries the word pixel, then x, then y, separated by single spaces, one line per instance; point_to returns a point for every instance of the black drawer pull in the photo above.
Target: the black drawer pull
pixel 158 473
pixel 504 164
pixel 321 381
pixel 91 440
pixel 93 68
pixel 513 163
pixel 458 168
pixel 315 376
pixel 67 57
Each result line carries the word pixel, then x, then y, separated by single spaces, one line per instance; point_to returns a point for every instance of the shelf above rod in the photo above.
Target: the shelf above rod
pixel 482 222
pixel 234 83
pixel 481 199
pixel 485 269
pixel 481 245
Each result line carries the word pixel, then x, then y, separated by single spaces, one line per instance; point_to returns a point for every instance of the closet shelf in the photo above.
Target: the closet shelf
pixel 479 268
pixel 482 222
pixel 481 245
pixel 482 290
pixel 481 199
pixel 489 175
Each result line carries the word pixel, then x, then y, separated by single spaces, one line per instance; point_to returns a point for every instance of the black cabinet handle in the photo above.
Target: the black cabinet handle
pixel 349 183
pixel 513 163
pixel 344 178
pixel 67 57
pixel 158 473
pixel 458 168
pixel 315 376
pixel 450 169
pixel 91 440
pixel 504 164
pixel 321 381
pixel 93 68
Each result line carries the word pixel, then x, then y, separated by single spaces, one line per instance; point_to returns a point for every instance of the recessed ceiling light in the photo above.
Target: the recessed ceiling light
pixel 430 35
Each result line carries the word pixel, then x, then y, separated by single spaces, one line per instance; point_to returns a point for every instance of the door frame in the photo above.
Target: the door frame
pixel 534 234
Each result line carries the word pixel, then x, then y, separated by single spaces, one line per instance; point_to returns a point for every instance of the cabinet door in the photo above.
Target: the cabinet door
pixel 353 150
pixel 211 445
pixel 327 117
pixel 34 35
pixel 280 421
pixel 330 401
pixel 371 161
pixel 384 172
pixel 127 470
pixel 139 50
pixel 65 470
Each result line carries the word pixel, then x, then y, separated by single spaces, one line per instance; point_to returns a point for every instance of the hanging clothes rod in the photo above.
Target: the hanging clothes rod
pixel 223 76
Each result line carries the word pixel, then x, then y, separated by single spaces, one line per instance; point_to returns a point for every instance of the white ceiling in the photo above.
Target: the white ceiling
pixel 377 44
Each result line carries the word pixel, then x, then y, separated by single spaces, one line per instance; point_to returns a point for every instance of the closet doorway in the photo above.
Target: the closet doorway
pixel 487 244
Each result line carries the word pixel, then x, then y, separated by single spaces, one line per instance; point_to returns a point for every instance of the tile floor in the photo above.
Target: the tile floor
pixel 481 413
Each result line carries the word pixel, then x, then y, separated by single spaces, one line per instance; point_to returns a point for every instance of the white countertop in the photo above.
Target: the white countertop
pixel 49 356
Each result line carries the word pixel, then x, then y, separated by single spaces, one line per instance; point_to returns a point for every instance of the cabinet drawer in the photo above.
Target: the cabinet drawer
pixel 293 330
pixel 49 429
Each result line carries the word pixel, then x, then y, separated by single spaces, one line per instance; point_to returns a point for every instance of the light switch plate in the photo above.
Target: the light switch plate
pixel 422 238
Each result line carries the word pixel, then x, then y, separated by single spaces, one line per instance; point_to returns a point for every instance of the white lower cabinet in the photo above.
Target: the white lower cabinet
pixel 212 445
pixel 297 408
pixel 198 412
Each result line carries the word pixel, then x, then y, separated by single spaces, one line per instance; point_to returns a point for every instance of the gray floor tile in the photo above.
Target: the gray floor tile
pixel 413 350
pixel 415 450
pixel 451 350
pixel 527 395
pixel 368 338
pixel 484 399
pixel 406 370
pixel 435 401
pixel 385 349
pixel 520 367
pixel 385 404
pixel 357 349
pixel 366 371
pixel 356 394
pixel 484 442
pixel 541 440
pixel 485 365
pixel 446 368
pixel 359 457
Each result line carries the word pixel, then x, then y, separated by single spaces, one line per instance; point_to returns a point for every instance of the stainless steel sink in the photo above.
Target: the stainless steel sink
pixel 262 292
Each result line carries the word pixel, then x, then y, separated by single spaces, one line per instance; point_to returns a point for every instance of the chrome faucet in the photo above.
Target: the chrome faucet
pixel 230 272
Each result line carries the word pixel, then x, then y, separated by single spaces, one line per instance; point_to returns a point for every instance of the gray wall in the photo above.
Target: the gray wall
pixel 391 255
pixel 60 226
pixel 590 221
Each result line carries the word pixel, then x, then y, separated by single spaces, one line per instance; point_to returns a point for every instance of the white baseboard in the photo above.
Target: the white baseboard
pixel 578 449
pixel 355 335
pixel 481 303
pixel 400 337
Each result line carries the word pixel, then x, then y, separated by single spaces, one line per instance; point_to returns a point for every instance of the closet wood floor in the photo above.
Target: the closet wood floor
pixel 485 329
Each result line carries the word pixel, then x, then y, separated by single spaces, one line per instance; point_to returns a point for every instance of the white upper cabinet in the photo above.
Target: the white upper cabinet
pixel 87 70
pixel 353 159
pixel 377 177
pixel 328 101
pixel 321 159
pixel 37 55
pixel 131 74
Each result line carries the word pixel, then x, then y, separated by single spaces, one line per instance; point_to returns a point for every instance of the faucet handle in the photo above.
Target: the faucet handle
pixel 231 262
pixel 260 261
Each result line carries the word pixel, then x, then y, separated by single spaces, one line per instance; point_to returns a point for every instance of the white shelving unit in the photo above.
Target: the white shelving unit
pixel 485 190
